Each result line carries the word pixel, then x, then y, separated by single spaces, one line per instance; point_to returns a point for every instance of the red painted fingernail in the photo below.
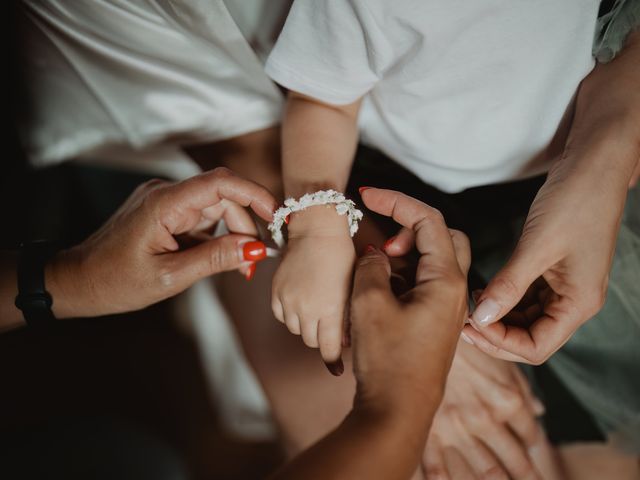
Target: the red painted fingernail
pixel 335 368
pixel 286 219
pixel 388 242
pixel 250 271
pixel 254 251
pixel 362 189
pixel 370 249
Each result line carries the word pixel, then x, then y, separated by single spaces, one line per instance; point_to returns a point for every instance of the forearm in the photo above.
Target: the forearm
pixel 605 134
pixel 318 145
pixel 365 447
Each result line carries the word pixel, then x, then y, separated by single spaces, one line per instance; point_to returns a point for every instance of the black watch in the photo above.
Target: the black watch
pixel 33 298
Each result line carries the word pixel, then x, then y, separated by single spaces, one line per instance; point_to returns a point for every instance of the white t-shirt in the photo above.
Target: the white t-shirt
pixel 137 73
pixel 460 92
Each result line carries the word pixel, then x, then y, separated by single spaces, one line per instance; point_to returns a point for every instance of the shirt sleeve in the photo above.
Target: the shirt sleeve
pixel 334 51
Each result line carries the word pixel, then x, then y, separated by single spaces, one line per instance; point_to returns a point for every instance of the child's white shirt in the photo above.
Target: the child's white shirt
pixel 462 92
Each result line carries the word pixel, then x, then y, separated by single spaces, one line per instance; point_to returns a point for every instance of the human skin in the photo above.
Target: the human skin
pixel 398 389
pixel 560 267
pixel 155 246
pixel 318 145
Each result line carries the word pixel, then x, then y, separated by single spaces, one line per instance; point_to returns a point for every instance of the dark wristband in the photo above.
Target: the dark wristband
pixel 33 298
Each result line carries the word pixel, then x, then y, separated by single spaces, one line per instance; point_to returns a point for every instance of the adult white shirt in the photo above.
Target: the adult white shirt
pixel 138 73
pixel 461 92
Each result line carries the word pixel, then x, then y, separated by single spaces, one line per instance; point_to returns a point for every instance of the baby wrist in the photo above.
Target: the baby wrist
pixel 315 214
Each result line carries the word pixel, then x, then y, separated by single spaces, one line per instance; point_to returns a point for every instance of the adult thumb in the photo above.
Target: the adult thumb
pixel 220 254
pixel 506 288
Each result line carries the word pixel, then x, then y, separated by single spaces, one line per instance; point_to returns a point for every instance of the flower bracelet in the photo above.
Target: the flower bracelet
pixel 343 206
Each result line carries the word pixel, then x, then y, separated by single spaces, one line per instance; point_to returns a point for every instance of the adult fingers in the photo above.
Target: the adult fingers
pixel 482 461
pixel 508 404
pixel 507 287
pixel 502 442
pixel 462 249
pixel 537 407
pixel 532 345
pixel 635 176
pixel 433 240
pixel 371 278
pixel 457 465
pixel 220 254
pixel 400 244
pixel 433 463
pixel 208 189
pixel 236 218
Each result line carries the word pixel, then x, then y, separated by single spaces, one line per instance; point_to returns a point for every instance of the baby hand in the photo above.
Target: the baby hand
pixel 312 285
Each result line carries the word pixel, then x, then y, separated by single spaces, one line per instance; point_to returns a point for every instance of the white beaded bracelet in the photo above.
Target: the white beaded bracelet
pixel 322 197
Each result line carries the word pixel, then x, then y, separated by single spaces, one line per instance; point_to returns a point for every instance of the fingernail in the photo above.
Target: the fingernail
pixel 335 368
pixel 466 338
pixel 370 249
pixel 250 271
pixel 254 251
pixel 286 219
pixel 362 189
pixel 486 312
pixel 388 242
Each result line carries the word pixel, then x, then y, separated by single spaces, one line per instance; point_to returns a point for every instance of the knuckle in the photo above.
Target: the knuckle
pixel 166 279
pixel 495 472
pixel 522 469
pixel 436 472
pixel 222 172
pixel 431 216
pixel 594 300
pixel 537 358
pixel 511 401
pixel 479 421
pixel 218 258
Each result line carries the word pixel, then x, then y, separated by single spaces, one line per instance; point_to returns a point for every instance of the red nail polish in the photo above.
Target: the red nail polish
pixel 254 251
pixel 336 368
pixel 370 249
pixel 362 189
pixel 250 271
pixel 388 242
pixel 286 219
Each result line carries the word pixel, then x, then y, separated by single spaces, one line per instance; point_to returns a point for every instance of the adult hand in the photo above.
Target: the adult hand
pixel 486 421
pixel 402 350
pixel 557 277
pixel 403 346
pixel 156 245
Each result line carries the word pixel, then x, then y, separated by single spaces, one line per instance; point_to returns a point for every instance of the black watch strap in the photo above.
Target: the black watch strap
pixel 33 298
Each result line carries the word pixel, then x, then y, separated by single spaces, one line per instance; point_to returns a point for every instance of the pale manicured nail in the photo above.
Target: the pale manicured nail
pixel 466 338
pixel 486 312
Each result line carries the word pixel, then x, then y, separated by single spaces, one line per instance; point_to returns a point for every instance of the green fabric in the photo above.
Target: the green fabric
pixel 613 28
pixel 600 364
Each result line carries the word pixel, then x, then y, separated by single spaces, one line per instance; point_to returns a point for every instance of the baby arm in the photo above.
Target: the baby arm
pixel 311 286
